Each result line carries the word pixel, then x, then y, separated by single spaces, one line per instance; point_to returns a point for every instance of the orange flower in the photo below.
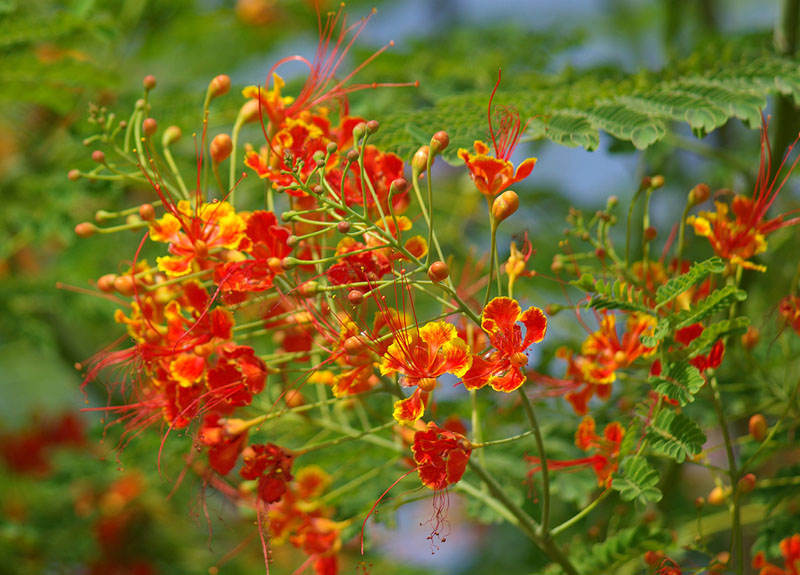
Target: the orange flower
pixel 193 232
pixel 441 456
pixel 502 368
pixel 744 236
pixel 492 175
pixel 606 353
pixel 421 355
pixel 605 460
pixel 790 549
pixel 789 308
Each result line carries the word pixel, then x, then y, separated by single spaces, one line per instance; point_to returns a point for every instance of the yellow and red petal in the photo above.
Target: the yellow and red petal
pixel 311 481
pixel 508 379
pixel 500 314
pixel 436 334
pixel 408 411
pixel 175 266
pixel 457 357
pixel 187 369
pixel 165 229
pixel 535 323
pixel 586 436
pixel 393 360
pixel 417 246
pixel 480 372
pixel 480 147
pixel 524 170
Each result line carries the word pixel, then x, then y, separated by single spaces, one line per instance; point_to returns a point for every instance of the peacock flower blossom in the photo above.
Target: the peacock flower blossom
pixel 789 309
pixel 605 459
pixel 421 355
pixel 502 367
pixel 441 456
pixel 192 233
pixel 271 465
pixel 790 549
pixel 493 174
pixel 744 235
pixel 605 352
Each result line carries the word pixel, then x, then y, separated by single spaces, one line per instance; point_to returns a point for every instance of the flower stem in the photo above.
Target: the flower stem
pixel 528 406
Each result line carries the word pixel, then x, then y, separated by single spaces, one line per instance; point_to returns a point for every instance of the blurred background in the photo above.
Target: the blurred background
pixel 69 503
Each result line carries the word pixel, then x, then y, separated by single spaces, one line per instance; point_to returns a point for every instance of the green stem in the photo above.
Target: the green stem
pixel 343 439
pixel 528 406
pixel 511 439
pixel 581 514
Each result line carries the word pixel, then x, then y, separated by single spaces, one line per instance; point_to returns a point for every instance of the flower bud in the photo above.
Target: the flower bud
pixel 717 496
pixel 372 127
pixel 343 227
pixel 746 483
pixel 294 398
pixel 650 234
pixel 101 216
pixel 250 112
pixel 106 283
pixel 98 157
pixel 699 503
pixel 398 186
pixel 275 265
pixel 221 147
pixel 353 345
pixel 74 175
pixel 757 426
pixel 149 127
pixel 750 337
pixel 171 135
pixel 419 163
pixel 352 156
pixel 147 212
pixel 612 201
pixel 504 206
pixel 654 558
pixel 331 147
pixel 124 284
pixel 149 82
pixel 699 194
pixel 355 297
pixel 439 142
pixel 292 241
pixel 359 131
pixel 85 229
pixel 438 272
pixel 308 289
pixel 657 182
pixel 289 263
pixel 133 220
pixel 219 86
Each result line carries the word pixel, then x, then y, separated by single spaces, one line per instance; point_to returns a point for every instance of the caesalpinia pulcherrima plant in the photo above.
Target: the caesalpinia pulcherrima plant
pixel 326 319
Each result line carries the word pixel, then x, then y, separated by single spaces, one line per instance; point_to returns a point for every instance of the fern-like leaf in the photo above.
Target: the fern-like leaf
pixel 675 435
pixel 617 295
pixel 637 481
pixel 717 301
pixel 625 544
pixel 715 331
pixel 677 285
pixel 678 381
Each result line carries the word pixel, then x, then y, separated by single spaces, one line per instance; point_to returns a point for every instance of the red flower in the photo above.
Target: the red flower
pixel 441 456
pixel 789 308
pixel 272 466
pixel 790 549
pixel 223 448
pixel 492 175
pixel 502 368
pixel 744 236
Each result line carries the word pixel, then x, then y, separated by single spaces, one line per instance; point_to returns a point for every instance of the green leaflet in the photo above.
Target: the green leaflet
pixel 678 381
pixel 620 547
pixel 569 109
pixel 617 295
pixel 637 481
pixel 677 285
pixel 675 435
pixel 718 300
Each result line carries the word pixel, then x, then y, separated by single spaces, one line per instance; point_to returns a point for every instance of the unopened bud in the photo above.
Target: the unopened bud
pixel 352 156
pixel 439 142
pixel 438 272
pixel 149 126
pixel 219 86
pixel 171 135
pixel 557 265
pixel 292 241
pixel 355 297
pixel 294 398
pixel 308 289
pixel 398 186
pixel 74 175
pixel 746 483
pixel 317 189
pixel 359 131
pixel 504 206
pixel 221 147
pixel 343 227
pixel 600 253
pixel 331 147
pixel 106 283
pixel 147 212
pixel 133 220
pixel 85 230
pixel 699 194
pixel 289 263
pixel 612 201
pixel 353 345
pixel 250 112
pixel 275 265
pixel 372 127
pixel 757 426
pixel 650 234
pixel 699 503
pixel 124 284
pixel 103 216
pixel 149 82
pixel 98 157
pixel 750 337
pixel 717 496
pixel 419 163
pixel 654 558
pixel 657 182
